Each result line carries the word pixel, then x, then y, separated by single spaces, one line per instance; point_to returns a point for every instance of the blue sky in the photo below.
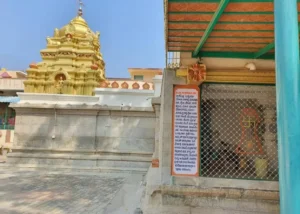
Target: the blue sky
pixel 132 31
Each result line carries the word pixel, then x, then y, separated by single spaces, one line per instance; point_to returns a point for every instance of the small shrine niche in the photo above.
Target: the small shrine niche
pixel 59 82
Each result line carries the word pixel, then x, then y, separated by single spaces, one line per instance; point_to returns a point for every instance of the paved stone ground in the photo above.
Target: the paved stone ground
pixel 37 192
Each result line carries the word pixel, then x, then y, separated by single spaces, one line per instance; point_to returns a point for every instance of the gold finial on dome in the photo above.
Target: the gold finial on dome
pixel 80 12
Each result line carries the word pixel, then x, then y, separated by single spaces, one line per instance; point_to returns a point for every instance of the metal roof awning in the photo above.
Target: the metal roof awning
pixel 221 28
pixel 4 99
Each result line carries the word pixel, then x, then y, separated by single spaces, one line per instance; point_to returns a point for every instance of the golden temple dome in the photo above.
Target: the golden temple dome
pixel 71 63
pixel 76 27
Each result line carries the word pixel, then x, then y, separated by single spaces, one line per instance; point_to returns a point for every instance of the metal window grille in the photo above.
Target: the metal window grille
pixel 7 117
pixel 238 132
pixel 173 60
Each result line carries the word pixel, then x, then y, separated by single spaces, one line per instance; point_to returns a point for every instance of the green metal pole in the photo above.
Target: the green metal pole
pixel 288 103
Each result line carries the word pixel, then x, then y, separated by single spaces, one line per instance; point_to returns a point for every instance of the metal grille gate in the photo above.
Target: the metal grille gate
pixel 238 131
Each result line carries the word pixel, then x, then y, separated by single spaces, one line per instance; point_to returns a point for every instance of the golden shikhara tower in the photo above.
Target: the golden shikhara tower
pixel 71 63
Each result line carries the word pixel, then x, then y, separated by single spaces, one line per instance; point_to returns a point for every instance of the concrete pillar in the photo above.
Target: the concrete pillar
pixel 157 81
pixel 288 103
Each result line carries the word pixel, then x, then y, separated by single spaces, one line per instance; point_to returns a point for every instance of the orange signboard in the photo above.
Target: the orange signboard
pixel 186 131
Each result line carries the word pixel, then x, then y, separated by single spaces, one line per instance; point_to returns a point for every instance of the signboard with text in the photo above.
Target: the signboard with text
pixel 185 147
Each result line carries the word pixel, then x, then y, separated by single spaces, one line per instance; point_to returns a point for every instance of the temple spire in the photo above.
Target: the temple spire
pixel 80 12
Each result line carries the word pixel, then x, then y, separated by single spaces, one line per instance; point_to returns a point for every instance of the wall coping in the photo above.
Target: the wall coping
pixel 55 98
pixel 117 91
pixel 95 107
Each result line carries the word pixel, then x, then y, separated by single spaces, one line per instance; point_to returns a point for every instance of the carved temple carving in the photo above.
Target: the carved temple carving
pixel 196 74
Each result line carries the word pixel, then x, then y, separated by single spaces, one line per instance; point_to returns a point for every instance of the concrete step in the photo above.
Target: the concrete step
pixel 62 168
pixel 89 161
pixel 81 151
pixel 3 159
pixel 83 156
